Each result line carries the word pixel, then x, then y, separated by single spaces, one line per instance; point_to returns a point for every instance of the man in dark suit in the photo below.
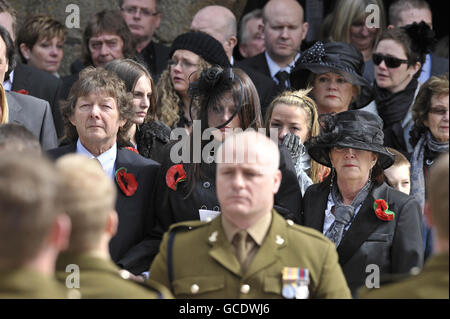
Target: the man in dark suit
pixel 95 119
pixel 30 80
pixel 30 112
pixel 404 12
pixel 143 18
pixel 220 23
pixel 284 31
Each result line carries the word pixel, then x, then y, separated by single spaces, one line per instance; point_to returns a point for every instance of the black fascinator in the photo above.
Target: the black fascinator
pixel 422 37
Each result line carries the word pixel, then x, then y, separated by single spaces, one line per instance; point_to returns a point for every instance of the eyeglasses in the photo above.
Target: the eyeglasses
pixel 390 61
pixel 438 111
pixel 184 64
pixel 143 11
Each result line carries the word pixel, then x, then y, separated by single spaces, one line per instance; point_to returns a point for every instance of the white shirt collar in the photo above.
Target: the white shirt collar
pixel 274 68
pixel 232 61
pixel 426 69
pixel 107 159
pixel 7 85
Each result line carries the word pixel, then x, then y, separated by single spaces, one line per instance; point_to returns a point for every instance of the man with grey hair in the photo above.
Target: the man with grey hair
pixel 249 250
pixel 220 23
pixel 251 34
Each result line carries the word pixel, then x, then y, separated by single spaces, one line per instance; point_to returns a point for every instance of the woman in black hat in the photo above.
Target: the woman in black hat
pixel 334 70
pixel 187 188
pixel 370 222
pixel 190 54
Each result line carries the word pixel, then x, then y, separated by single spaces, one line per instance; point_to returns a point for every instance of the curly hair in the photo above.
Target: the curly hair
pixel 301 100
pixel 435 86
pixel 99 81
pixel 168 100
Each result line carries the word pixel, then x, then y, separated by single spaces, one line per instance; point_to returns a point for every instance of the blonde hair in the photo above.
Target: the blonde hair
pixel 347 12
pixel 89 196
pixel 29 204
pixel 168 100
pixel 3 106
pixel 301 100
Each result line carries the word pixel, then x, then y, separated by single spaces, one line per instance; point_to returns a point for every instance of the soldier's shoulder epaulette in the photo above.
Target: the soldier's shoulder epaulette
pixel 307 231
pixel 187 225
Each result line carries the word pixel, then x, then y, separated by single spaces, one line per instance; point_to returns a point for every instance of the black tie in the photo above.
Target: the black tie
pixel 282 77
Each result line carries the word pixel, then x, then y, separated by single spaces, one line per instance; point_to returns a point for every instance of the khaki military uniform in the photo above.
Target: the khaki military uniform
pixel 101 278
pixel 204 265
pixel 30 284
pixel 431 283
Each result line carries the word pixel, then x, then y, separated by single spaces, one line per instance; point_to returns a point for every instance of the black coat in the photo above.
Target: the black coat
pixel 155 56
pixel 176 206
pixel 42 85
pixel 131 246
pixel 395 246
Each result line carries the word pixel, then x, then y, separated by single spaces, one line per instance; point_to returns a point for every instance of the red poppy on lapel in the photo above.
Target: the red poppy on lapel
pixel 382 210
pixel 132 149
pixel 22 91
pixel 175 174
pixel 126 181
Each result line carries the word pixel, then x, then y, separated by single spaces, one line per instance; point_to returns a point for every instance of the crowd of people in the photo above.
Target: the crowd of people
pixel 187 172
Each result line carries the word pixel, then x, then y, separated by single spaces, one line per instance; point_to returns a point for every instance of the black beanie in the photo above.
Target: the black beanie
pixel 203 45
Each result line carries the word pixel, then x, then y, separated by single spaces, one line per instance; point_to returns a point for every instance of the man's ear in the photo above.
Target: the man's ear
pixel 59 235
pixel 231 42
pixel 277 181
pixel 112 223
pixel 305 30
pixel 122 122
pixel 390 27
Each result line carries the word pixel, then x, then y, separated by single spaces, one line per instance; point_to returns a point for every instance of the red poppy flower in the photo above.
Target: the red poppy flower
pixel 126 181
pixel 382 210
pixel 22 91
pixel 175 174
pixel 132 149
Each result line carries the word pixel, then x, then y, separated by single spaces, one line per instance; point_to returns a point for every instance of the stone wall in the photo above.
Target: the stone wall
pixel 177 16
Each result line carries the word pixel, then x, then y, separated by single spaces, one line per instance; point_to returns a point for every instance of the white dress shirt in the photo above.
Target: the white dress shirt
pixel 107 159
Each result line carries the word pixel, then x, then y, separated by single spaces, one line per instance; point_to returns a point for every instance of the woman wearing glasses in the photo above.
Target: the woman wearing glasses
pixel 398 58
pixel 191 53
pixel 429 138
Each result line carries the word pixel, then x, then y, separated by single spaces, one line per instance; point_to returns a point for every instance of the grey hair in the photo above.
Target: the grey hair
pixel 243 34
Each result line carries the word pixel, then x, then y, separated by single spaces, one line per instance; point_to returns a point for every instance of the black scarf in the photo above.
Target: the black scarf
pixel 392 107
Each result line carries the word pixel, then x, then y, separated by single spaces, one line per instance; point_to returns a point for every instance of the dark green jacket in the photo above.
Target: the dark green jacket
pixel 204 265
pixel 101 278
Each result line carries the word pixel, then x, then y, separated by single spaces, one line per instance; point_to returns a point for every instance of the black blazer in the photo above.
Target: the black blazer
pixel 177 206
pixel 42 85
pixel 257 63
pixel 130 248
pixel 155 56
pixel 395 246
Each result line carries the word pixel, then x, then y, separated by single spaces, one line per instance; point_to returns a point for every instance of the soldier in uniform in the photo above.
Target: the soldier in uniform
pixel 33 229
pixel 89 197
pixel 249 250
pixel 433 281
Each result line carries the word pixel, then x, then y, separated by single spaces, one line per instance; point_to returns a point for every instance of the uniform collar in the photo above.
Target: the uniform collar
pixel 257 231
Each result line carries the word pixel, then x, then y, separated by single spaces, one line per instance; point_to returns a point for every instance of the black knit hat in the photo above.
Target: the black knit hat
pixel 350 129
pixel 202 44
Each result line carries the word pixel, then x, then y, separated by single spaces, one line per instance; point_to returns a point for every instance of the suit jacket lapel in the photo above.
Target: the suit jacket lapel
pixel 317 207
pixel 364 224
pixel 21 76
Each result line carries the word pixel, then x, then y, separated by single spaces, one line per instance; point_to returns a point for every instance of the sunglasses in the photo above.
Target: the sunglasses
pixel 390 61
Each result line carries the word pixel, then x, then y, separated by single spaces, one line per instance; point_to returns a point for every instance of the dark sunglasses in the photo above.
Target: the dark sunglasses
pixel 390 61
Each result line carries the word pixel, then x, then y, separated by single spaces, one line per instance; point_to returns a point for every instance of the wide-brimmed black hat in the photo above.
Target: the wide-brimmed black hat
pixel 202 44
pixel 350 129
pixel 338 57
